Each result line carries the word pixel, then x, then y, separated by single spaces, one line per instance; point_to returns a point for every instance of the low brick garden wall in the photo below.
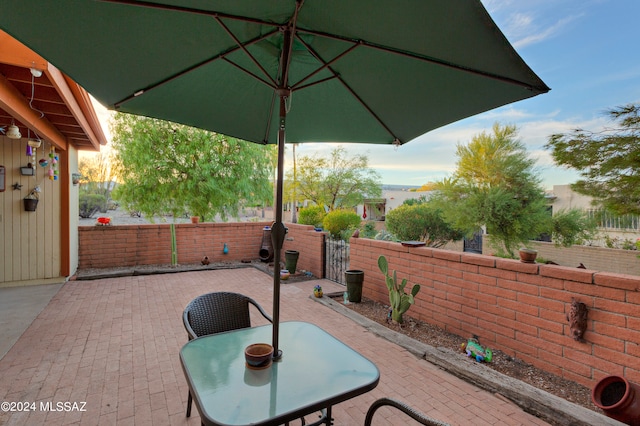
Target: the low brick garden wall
pixel 518 308
pixel 135 245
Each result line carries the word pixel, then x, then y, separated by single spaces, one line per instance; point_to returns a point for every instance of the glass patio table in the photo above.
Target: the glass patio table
pixel 316 371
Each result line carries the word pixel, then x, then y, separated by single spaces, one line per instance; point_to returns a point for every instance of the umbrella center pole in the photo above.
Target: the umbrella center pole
pixel 278 231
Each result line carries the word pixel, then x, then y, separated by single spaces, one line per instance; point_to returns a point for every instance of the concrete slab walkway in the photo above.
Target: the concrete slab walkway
pixel 108 348
pixel 19 306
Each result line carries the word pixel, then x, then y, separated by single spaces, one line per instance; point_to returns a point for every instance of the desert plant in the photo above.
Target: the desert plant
pixel 368 230
pixel 421 222
pixel 399 300
pixel 89 204
pixel 311 215
pixel 338 221
pixel 384 235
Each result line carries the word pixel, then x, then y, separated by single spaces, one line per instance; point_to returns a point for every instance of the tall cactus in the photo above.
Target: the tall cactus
pixel 399 300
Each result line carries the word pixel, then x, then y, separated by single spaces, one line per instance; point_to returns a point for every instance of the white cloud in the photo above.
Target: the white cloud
pixel 537 34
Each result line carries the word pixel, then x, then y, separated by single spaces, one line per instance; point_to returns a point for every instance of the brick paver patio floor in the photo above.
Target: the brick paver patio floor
pixel 113 343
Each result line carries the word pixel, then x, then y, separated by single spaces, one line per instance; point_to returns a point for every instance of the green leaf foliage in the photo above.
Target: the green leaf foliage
pixel 165 168
pixel 339 181
pixel 421 222
pixel 608 161
pixel 496 186
pixel 90 203
pixel 573 226
pixel 311 215
pixel 338 221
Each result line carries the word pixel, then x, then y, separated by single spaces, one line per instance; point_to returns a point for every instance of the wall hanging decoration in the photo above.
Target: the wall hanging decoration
pixel 31 200
pixel 53 163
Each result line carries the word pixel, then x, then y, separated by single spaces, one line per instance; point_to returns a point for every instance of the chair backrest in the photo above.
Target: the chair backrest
pixel 217 312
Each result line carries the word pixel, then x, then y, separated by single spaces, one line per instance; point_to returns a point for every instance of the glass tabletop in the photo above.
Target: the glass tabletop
pixel 316 371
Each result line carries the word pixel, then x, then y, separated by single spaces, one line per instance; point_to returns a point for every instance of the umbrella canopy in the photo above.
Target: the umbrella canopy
pixel 368 71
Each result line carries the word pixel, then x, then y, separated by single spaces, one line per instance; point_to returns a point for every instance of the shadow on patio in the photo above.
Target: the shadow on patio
pixel 114 342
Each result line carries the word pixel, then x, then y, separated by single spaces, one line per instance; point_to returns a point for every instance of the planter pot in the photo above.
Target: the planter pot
pixel 30 204
pixel 195 219
pixel 291 260
pixel 354 279
pixel 528 255
pixel 618 398
pixel 284 275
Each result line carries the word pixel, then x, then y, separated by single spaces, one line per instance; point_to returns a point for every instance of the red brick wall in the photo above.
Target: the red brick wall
pixel 517 308
pixel 132 245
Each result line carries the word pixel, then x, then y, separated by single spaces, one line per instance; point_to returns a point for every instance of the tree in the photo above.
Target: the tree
pixel 170 168
pixel 608 161
pixel 97 174
pixel 420 222
pixel 495 185
pixel 338 181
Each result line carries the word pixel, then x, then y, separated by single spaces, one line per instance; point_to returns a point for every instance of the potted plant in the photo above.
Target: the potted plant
pixel 528 255
pixel 31 200
pixel 317 291
pixel 75 178
pixel 399 300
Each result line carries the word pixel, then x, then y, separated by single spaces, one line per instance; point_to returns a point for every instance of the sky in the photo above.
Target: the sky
pixel 586 51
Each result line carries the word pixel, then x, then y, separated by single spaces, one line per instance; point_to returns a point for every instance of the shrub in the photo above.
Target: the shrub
pixel 420 222
pixel 339 221
pixel 572 227
pixel 368 230
pixel 90 203
pixel 311 215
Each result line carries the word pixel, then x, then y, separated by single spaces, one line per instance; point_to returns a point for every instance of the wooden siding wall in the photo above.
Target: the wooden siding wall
pixel 29 241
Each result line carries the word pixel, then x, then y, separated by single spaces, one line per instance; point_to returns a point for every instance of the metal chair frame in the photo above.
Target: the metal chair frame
pixel 411 412
pixel 217 312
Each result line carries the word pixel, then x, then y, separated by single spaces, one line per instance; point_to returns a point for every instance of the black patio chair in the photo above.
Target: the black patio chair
pixel 414 414
pixel 213 313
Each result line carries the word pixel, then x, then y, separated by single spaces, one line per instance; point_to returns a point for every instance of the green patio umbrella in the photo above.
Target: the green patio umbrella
pixel 369 71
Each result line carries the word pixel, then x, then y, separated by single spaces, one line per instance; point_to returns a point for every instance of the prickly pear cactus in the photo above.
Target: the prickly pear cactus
pixel 399 300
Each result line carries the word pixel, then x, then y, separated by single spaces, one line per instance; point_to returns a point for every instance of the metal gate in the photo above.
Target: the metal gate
pixel 474 244
pixel 336 259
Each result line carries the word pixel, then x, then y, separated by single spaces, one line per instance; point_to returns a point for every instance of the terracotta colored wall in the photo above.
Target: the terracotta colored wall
pixel 514 307
pixel 131 245
pixel 518 308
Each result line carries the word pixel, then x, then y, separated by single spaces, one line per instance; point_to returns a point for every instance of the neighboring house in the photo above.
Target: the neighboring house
pixel 393 196
pixel 45 105
pixel 614 228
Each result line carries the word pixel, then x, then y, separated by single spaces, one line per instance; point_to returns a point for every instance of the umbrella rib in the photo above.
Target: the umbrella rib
pixel 244 49
pixel 246 71
pixel 222 55
pixel 327 65
pixel 542 89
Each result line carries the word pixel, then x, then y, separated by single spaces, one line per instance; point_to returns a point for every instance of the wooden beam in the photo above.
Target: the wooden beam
pixel 15 53
pixel 79 109
pixel 12 101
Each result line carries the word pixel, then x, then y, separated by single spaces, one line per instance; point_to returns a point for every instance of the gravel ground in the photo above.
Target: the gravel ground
pixel 501 362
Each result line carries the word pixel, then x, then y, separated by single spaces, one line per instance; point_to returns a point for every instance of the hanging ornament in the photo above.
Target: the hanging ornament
pixel 53 163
